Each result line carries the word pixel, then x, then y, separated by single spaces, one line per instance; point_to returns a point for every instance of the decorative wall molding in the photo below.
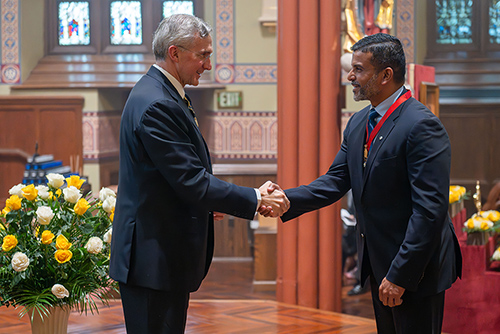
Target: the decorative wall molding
pixel 405 25
pixel 101 135
pixel 10 42
pixel 227 71
pixel 243 135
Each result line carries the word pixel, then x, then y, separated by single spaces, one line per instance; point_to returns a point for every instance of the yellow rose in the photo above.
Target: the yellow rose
pixel 112 215
pixel 470 223
pixel 62 243
pixel 5 211
pixel 47 237
pixel 456 193
pixel 13 202
pixel 75 181
pixel 63 255
pixel 30 192
pixel 493 215
pixel 58 192
pixel 454 197
pixel 81 206
pixel 484 225
pixel 9 242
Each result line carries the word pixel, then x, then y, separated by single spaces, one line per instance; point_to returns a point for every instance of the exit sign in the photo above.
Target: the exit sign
pixel 229 100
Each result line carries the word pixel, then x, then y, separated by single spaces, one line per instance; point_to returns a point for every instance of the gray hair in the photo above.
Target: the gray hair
pixel 178 29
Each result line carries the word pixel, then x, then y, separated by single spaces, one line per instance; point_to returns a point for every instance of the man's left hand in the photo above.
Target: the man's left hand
pixel 218 216
pixel 390 293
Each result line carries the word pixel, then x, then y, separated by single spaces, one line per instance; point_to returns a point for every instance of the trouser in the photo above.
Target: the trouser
pixel 416 315
pixel 149 311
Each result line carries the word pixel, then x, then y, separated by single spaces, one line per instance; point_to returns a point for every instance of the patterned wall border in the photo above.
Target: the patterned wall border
pixel 243 135
pixel 405 25
pixel 100 134
pixel 10 42
pixel 226 70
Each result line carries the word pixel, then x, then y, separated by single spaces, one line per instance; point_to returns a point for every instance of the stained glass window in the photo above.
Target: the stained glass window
pixel 454 22
pixel 126 23
pixel 177 7
pixel 74 23
pixel 494 28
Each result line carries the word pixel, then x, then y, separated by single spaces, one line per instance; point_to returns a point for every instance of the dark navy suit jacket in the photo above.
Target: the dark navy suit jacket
pixel 163 234
pixel 401 198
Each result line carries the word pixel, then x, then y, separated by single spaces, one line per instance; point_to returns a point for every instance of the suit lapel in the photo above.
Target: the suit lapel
pixel 155 73
pixel 381 138
pixel 356 146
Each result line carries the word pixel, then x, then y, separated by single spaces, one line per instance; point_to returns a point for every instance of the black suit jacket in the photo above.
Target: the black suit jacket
pixel 163 233
pixel 401 198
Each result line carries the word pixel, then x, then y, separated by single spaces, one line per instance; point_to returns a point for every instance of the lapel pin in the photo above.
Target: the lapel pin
pixel 380 138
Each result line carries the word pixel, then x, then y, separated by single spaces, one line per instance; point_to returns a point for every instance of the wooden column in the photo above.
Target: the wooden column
pixel 309 252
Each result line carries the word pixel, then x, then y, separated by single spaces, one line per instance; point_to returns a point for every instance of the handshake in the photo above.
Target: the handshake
pixel 274 202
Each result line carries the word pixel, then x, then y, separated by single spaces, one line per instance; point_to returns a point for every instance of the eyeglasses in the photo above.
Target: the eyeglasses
pixel 202 56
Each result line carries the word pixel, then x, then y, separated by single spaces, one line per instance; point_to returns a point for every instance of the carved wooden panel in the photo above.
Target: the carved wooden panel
pixel 55 123
pixel 472 125
pixel 233 236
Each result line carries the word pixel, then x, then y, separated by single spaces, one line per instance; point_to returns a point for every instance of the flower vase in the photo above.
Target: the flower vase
pixel 477 238
pixel 54 323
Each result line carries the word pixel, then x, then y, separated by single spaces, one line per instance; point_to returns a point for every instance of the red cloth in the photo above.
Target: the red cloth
pixel 472 304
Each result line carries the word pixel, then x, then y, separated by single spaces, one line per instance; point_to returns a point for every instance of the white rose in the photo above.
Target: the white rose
pixel 17 190
pixel 94 245
pixel 107 236
pixel 72 194
pixel 44 215
pixel 109 204
pixel 60 291
pixel 105 193
pixel 43 192
pixel 496 255
pixel 55 180
pixel 20 262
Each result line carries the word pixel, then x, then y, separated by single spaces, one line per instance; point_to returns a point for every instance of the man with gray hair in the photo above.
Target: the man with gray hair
pixel 168 199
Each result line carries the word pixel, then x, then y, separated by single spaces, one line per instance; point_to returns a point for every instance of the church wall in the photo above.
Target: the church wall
pixel 421 29
pixel 32 37
pixel 244 60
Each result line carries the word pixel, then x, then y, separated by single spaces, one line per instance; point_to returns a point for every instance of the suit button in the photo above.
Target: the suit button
pixel 362 235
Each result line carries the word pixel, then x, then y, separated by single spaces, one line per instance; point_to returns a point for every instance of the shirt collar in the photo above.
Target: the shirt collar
pixel 387 103
pixel 173 80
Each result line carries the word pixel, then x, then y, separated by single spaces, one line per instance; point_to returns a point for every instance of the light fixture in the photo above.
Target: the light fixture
pixel 269 15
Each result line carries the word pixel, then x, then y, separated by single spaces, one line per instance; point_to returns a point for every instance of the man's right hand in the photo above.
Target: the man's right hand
pixel 274 202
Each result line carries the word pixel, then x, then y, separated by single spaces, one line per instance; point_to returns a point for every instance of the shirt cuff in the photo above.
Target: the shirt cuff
pixel 259 199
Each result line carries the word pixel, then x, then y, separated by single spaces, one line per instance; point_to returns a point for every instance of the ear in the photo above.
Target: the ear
pixel 173 53
pixel 387 75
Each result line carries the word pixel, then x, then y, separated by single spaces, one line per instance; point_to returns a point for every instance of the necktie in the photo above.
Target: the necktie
pixel 191 109
pixel 371 120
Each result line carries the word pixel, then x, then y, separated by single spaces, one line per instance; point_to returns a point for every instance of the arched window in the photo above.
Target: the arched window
pixel 471 26
pixel 109 26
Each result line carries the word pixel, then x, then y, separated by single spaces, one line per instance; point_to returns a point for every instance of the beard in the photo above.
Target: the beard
pixel 367 91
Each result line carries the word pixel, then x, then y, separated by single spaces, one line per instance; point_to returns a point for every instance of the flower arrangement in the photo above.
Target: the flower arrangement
pixel 496 255
pixel 55 246
pixel 484 221
pixel 457 194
